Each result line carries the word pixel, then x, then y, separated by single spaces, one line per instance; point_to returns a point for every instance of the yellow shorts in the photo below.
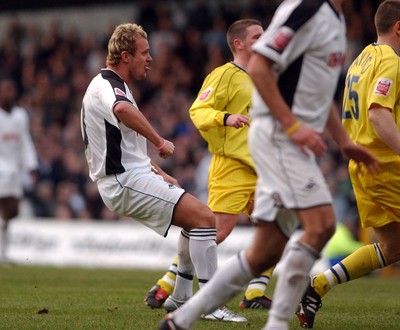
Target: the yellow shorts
pixel 231 186
pixel 377 195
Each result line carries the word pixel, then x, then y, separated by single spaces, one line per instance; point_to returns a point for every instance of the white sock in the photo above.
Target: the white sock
pixel 203 252
pixel 292 282
pixel 184 278
pixel 230 279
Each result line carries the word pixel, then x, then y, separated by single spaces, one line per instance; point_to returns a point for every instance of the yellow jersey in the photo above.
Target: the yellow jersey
pixel 226 90
pixel 370 79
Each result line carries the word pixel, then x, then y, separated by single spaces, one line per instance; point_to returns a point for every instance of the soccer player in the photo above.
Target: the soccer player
pixel 371 116
pixel 295 68
pixel 17 154
pixel 220 112
pixel 115 135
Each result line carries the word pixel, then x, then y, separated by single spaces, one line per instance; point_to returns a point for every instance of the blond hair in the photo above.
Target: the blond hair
pixel 123 38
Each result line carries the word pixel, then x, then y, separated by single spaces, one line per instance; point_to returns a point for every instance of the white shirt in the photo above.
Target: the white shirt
pixel 17 151
pixel 111 147
pixel 307 42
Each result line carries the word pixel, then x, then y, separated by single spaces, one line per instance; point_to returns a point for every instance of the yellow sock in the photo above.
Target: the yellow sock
pixel 361 262
pixel 257 286
pixel 167 282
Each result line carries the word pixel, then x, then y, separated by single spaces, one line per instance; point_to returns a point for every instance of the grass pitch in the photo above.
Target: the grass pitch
pixel 33 297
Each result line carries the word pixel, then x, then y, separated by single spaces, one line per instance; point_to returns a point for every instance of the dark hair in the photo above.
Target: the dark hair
pixel 387 14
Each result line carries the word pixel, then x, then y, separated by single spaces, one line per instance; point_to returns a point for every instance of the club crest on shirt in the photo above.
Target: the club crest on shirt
pixel 282 38
pixel 119 92
pixel 205 94
pixel 383 86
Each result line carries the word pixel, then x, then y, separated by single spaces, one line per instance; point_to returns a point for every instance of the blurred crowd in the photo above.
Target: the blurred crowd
pixel 53 66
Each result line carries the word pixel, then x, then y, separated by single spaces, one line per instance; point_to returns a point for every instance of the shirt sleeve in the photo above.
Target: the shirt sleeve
pixel 209 108
pixel 383 89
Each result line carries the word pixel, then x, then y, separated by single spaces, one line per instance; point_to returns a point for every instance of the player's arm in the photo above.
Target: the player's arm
pixel 385 126
pixel 131 117
pixel 261 72
pixel 205 117
pixel 335 129
pixel 158 170
pixel 208 110
pixel 350 149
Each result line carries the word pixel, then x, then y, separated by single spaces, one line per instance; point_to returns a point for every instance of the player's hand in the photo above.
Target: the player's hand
pixel 237 120
pixel 166 149
pixel 170 179
pixel 362 157
pixel 308 139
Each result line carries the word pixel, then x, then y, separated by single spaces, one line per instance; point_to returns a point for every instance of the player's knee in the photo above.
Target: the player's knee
pixel 221 235
pixel 321 234
pixel 328 229
pixel 260 260
pixel 322 231
pixel 202 217
pixel 207 218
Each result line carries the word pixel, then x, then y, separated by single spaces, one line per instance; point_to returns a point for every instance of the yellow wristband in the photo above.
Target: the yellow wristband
pixel 293 128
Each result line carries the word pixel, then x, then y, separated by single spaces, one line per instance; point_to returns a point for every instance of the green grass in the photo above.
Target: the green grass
pixel 70 298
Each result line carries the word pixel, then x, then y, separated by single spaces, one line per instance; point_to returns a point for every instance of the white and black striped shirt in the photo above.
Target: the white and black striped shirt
pixel 111 147
pixel 307 42
pixel 17 151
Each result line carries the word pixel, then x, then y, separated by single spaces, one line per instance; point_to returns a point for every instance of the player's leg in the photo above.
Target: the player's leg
pixel 152 201
pixel 363 261
pixel 224 223
pixel 183 289
pixel 3 238
pixel 8 211
pixel 231 186
pixel 319 226
pixel 203 254
pixel 254 296
pixel 377 209
pixel 199 242
pixel 232 276
pixel 231 193
pixel 360 263
pixel 164 287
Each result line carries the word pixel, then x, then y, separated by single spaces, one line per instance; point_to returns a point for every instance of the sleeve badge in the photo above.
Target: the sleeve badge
pixel 205 94
pixel 383 87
